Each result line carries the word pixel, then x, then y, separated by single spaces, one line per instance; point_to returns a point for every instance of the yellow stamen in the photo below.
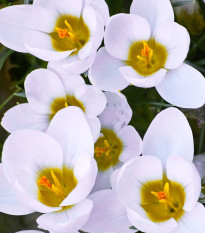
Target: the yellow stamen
pixel 55 188
pixel 147 54
pixel 66 104
pixel 69 26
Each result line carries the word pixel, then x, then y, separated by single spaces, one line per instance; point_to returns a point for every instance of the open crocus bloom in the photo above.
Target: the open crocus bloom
pixel 118 141
pixel 50 173
pixel 157 192
pixel 52 30
pixel 147 49
pixel 47 94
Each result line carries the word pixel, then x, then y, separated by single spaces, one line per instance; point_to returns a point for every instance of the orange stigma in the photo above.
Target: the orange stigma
pixel 147 54
pixel 62 33
pixel 162 195
pixel 103 150
pixel 44 182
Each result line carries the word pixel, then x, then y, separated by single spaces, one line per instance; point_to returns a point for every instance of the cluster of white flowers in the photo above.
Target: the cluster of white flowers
pixel 71 154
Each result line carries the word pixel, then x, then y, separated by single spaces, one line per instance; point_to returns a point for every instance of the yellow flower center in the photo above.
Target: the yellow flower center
pixel 107 149
pixel 162 202
pixel 70 33
pixel 63 102
pixel 55 185
pixel 146 58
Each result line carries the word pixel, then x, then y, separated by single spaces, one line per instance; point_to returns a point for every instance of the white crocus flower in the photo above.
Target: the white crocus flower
pixel 54 30
pixel 147 49
pixel 48 93
pixel 51 173
pixel 118 141
pixel 156 192
pixel 199 161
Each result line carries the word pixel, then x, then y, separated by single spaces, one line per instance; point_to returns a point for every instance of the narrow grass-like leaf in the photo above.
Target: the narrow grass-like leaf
pixel 4 57
pixel 182 3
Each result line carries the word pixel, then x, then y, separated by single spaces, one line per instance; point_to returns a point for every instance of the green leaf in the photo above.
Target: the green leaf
pixel 20 94
pixel 200 62
pixel 182 3
pixel 5 56
pixel 156 104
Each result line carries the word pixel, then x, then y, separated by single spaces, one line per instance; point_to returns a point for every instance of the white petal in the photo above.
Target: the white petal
pixel 117 113
pixel 14 21
pixel 61 7
pixel 193 221
pixel 27 191
pixel 132 143
pixel 72 65
pixel 30 150
pixel 189 179
pixel 176 40
pixel 169 134
pixel 90 20
pixel 22 116
pixel 155 12
pixel 29 231
pixel 101 7
pixel 92 98
pixel 86 175
pixel 139 80
pixel 103 180
pixel 114 177
pixel 138 219
pixel 95 127
pixel 183 87
pixel 121 31
pixel 9 202
pixel 70 220
pixel 42 87
pixel 130 178
pixel 108 215
pixel 71 82
pixel 40 45
pixel 104 72
pixel 199 161
pixel 71 130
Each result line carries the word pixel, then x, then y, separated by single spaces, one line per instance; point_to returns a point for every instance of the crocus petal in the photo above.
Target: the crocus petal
pixel 23 150
pixel 175 38
pixel 27 191
pixel 42 87
pixel 155 12
pixel 68 220
pixel 92 98
pixel 29 231
pixel 169 134
pixel 71 82
pixel 142 81
pixel 23 116
pixel 130 179
pixel 193 221
pixel 9 202
pixel 132 143
pixel 61 7
pixel 183 87
pixel 90 20
pixel 40 45
pixel 199 161
pixel 14 21
pixel 103 180
pixel 108 214
pixel 72 65
pixel 71 130
pixel 189 179
pixel 86 175
pixel 104 72
pixel 117 113
pixel 95 127
pixel 101 7
pixel 121 31
pixel 137 217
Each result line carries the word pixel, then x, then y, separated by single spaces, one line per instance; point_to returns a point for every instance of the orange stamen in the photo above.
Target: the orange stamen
pixel 44 182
